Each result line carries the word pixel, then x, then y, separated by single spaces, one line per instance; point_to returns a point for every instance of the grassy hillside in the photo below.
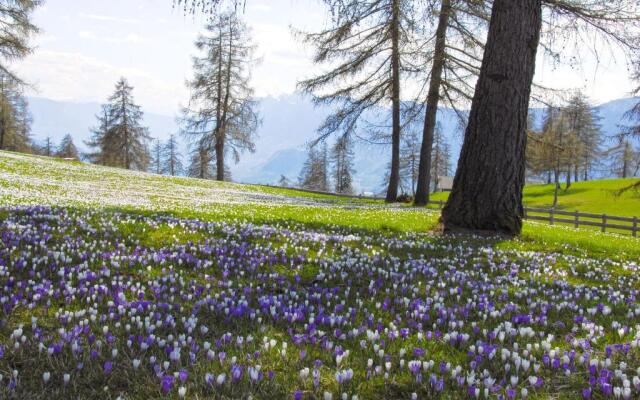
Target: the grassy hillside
pixel 126 285
pixel 599 196
pixel 33 180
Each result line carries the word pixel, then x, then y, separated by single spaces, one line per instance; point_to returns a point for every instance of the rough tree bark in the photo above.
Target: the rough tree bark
pixel 487 189
pixel 433 98
pixel 219 148
pixel 394 176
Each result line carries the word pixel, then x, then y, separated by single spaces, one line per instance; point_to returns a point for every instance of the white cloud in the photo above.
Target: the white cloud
pixel 131 38
pixel 107 18
pixel 73 76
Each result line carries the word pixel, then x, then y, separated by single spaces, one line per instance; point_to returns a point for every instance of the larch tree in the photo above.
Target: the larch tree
pixel 156 157
pixel 121 140
pixel 221 116
pixel 440 158
pixel 342 164
pixel 487 188
pixel 542 150
pixel 315 171
pixel 409 161
pixel 172 159
pixel 201 163
pixel 15 118
pixel 47 147
pixel 623 158
pixel 633 130
pixel 67 149
pixel 487 193
pixel 365 47
pixel 454 50
pixel 453 58
pixel 16 30
pixel 583 123
pixel 633 115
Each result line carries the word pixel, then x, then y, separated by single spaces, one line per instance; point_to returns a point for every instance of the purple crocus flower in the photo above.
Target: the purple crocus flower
pixel 167 384
pixel 183 375
pixel 236 372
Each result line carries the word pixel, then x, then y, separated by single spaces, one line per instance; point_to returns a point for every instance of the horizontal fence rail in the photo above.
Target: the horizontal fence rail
pixel 577 219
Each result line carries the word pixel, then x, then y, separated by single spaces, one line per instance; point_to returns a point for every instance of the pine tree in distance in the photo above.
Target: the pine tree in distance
pixel 156 157
pixel 172 159
pixel 67 148
pixel 342 162
pixel 315 174
pixel 120 139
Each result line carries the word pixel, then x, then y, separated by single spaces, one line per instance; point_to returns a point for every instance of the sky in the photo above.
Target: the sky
pixel 86 45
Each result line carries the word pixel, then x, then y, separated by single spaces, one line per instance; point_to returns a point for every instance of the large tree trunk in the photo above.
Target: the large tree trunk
pixel 219 147
pixel 433 98
pixel 487 189
pixel 625 159
pixel 556 187
pixel 2 130
pixel 394 176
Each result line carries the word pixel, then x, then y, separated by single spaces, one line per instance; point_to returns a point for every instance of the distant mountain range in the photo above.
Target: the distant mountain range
pixel 289 123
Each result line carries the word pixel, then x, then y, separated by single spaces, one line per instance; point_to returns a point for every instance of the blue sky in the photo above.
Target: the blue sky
pixel 86 45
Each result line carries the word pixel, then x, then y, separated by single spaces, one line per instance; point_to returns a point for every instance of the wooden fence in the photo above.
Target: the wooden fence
pixel 577 219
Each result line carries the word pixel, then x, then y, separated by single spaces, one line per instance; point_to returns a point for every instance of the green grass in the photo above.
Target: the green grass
pixel 599 197
pixel 41 180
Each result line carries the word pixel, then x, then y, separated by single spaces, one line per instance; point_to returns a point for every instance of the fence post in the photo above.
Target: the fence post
pixel 551 216
pixel 604 222
pixel 635 227
pixel 577 223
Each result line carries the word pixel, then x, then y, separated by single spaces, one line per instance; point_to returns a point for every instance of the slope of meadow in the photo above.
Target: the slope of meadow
pixel 124 285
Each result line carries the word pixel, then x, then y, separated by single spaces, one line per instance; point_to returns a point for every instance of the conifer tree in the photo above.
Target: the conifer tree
pixel 120 139
pixel 222 114
pixel 172 160
pixel 454 49
pixel 583 124
pixel 67 149
pixel 201 162
pixel 633 115
pixel 440 158
pixel 342 162
pixel 156 157
pixel 15 119
pixel 315 174
pixel 409 161
pixel 16 30
pixel 47 147
pixel 366 47
pixel 624 158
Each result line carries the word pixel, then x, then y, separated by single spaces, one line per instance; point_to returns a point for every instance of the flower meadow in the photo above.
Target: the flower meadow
pixel 107 304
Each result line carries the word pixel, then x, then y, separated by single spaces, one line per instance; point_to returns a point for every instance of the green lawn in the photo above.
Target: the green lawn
pixel 599 197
